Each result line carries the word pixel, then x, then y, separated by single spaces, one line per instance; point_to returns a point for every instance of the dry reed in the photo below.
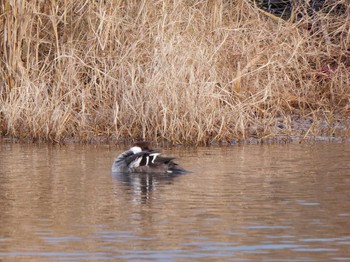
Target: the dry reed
pixel 182 71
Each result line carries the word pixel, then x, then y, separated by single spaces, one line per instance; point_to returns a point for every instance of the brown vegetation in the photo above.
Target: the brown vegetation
pixel 182 71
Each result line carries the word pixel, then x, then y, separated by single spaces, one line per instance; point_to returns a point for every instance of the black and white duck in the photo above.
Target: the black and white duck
pixel 141 159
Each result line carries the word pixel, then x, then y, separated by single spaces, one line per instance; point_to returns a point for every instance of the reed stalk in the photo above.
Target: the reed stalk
pixel 189 72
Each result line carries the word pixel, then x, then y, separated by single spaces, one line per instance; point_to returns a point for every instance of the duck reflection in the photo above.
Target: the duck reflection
pixel 141 186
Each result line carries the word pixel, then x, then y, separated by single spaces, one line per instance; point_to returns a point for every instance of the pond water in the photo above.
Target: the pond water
pixel 240 203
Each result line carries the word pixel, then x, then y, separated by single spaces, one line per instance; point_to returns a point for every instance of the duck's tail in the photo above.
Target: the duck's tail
pixel 175 168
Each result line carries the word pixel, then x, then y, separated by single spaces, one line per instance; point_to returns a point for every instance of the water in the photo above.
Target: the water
pixel 240 203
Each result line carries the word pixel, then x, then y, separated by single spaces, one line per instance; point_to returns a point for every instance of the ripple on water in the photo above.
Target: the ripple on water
pixel 241 203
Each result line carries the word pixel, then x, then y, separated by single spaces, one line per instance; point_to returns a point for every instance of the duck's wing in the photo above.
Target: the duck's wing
pixel 143 158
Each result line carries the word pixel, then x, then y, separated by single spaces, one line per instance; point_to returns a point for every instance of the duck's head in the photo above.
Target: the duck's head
pixel 140 146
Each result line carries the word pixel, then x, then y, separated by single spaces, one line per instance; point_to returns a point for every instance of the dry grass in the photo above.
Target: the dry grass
pixel 182 71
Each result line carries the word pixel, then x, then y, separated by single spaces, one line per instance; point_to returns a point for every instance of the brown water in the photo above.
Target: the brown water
pixel 241 203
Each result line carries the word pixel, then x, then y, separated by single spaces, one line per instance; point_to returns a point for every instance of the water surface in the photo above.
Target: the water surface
pixel 240 203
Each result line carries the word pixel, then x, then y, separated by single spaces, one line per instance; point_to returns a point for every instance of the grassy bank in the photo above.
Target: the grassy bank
pixel 182 71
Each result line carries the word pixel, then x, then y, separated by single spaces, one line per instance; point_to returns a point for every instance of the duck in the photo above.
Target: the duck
pixel 141 159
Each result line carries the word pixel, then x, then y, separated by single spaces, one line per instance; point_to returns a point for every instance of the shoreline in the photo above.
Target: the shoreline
pixel 303 130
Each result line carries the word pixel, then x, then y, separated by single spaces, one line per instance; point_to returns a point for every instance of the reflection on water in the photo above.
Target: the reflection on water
pixel 141 186
pixel 241 203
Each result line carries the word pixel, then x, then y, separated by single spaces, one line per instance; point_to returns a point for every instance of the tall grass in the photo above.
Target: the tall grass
pixel 181 71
